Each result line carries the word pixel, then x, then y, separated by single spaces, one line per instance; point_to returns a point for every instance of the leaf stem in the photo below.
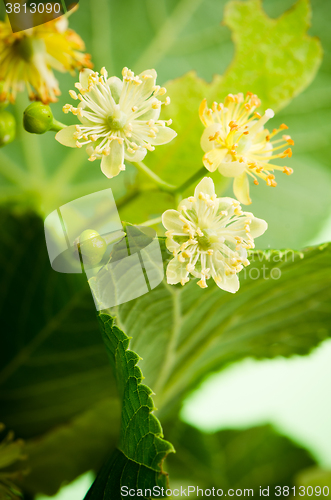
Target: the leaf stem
pixel 151 222
pixel 164 186
pixel 196 176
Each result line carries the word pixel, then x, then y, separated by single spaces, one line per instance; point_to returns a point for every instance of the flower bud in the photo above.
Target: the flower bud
pixel 7 128
pixel 92 247
pixel 38 119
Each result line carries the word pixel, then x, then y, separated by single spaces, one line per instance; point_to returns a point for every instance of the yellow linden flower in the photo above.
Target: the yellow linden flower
pixel 237 144
pixel 27 58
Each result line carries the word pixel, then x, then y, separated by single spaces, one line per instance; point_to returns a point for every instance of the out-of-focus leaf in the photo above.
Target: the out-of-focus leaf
pixel 184 333
pixel 142 449
pixel 67 451
pixel 239 459
pixel 53 364
pixel 314 482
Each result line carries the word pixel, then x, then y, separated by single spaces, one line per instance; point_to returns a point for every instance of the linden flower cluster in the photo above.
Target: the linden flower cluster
pixel 119 119
pixel 27 59
pixel 209 238
pixel 237 144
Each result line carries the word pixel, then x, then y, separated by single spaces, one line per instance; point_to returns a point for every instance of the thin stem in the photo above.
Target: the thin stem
pixel 164 186
pixel 151 222
pixel 170 30
pixel 57 126
pixel 190 180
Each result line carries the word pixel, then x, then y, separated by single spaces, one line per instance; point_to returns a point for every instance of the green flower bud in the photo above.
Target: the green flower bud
pixel 7 128
pixel 38 119
pixel 92 246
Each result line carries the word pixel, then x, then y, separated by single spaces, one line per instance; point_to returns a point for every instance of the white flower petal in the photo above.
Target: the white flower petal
pixel 66 136
pixel 164 135
pixel 232 168
pixel 241 189
pixel 170 220
pixel 229 283
pixel 112 164
pixel 205 186
pixel 257 227
pixel 210 131
pixel 176 271
pixel 213 159
pixel 84 76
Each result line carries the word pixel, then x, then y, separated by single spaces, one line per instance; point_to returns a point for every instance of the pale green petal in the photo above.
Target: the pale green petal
pixel 151 114
pixel 176 271
pixel 205 186
pixel 232 168
pixel 164 135
pixel 116 86
pixel 146 88
pixel 138 155
pixel 172 245
pixel 84 76
pixel 66 136
pixel 210 131
pixel 112 164
pixel 257 227
pixel 226 202
pixel 171 221
pixel 241 189
pixel 229 283
pixel 212 160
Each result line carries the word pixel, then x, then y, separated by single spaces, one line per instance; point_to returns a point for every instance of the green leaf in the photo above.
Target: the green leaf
pixel 55 378
pixel 120 471
pixel 142 447
pixel 184 333
pixel 283 59
pixel 315 481
pixel 239 459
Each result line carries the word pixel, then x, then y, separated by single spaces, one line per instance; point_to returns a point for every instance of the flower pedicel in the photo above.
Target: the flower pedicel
pixel 237 144
pixel 119 119
pixel 209 238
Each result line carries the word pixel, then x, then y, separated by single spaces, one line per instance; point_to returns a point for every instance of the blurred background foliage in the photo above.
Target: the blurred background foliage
pixel 55 384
